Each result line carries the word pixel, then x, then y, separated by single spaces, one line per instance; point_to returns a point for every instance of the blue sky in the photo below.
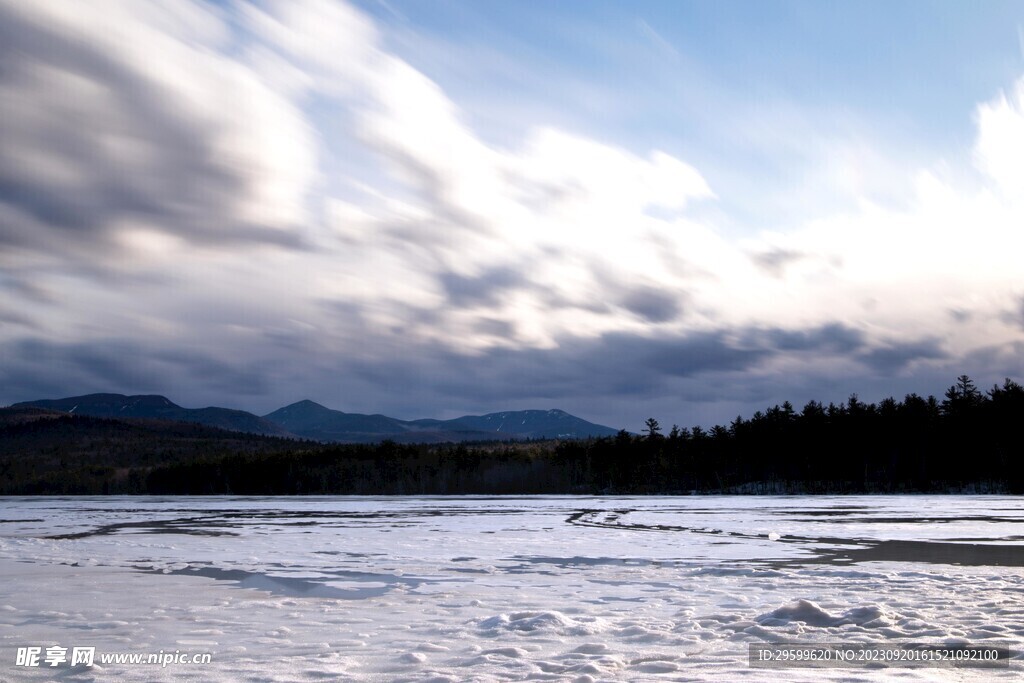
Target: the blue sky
pixel 685 210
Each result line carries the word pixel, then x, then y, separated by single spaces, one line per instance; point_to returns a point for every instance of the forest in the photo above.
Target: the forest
pixel 969 441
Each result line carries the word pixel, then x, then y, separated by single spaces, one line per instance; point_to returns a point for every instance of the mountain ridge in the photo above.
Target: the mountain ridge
pixel 314 421
pixel 158 407
pixel 310 420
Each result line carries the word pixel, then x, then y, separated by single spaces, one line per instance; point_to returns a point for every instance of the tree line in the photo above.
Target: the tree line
pixel 968 441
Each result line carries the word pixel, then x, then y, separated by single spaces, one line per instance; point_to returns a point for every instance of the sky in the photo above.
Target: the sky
pixel 685 210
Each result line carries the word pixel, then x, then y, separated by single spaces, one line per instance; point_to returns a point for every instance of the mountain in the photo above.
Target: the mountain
pixel 314 421
pixel 159 408
pixel 531 424
pixel 310 420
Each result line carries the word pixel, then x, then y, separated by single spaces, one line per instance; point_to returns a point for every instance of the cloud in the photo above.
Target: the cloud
pixel 41 369
pixel 834 338
pixel 774 261
pixel 161 165
pixel 652 304
pixel 614 364
pixel 122 122
pixel 36 368
pixel 484 289
pixel 896 357
pixel 11 319
pixel 559 210
pixel 1000 145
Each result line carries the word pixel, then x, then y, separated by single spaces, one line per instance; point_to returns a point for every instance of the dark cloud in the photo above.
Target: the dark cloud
pixel 1013 314
pixel 291 341
pixel 92 141
pixel 653 305
pixel 616 379
pixel 689 355
pixel 998 362
pixel 830 338
pixel 620 371
pixel 897 356
pixel 10 318
pixel 239 376
pixel 23 288
pixel 960 315
pixel 619 364
pixel 481 290
pixel 34 368
pixel 774 261
pixel 378 371
pixel 494 327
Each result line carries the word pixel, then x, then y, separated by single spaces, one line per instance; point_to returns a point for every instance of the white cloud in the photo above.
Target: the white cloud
pixel 899 272
pixel 568 211
pixel 333 42
pixel 1000 148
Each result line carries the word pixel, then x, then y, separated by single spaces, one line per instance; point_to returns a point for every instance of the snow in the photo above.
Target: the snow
pixel 497 589
pixel 807 612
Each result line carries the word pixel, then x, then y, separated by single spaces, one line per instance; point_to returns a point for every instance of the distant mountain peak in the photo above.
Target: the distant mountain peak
pixel 304 404
pixel 311 420
pixel 154 406
pixel 314 421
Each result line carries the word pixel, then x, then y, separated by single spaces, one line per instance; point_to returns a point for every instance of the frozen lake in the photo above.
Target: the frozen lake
pixel 494 589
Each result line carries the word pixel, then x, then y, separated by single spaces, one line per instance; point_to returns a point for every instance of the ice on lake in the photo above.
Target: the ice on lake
pixel 502 589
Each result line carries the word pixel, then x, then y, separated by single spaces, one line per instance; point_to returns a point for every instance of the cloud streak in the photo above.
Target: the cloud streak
pixel 115 137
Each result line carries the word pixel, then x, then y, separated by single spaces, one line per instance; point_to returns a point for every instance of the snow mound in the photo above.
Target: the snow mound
pixel 549 622
pixel 414 658
pixel 811 614
pixel 592 649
